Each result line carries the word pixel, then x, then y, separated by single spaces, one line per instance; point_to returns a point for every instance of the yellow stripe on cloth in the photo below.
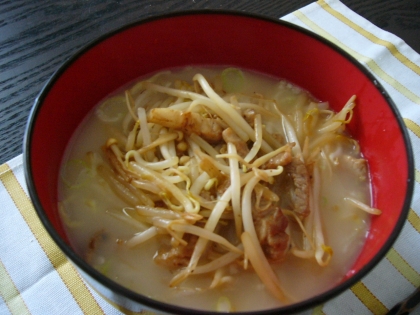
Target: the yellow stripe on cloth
pixel 414 220
pixel 370 63
pixel 414 127
pixel 4 168
pixel 10 294
pixel 130 312
pixel 368 299
pixel 373 38
pixel 403 267
pixel 318 310
pixel 65 269
pixel 417 176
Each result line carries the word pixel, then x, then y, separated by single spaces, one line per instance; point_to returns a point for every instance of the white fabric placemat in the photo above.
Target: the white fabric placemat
pixel 36 278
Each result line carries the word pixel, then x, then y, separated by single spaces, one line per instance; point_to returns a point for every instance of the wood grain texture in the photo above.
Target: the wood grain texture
pixel 36 37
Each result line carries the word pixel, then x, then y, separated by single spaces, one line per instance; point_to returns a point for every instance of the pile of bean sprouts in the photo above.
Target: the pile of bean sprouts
pixel 166 157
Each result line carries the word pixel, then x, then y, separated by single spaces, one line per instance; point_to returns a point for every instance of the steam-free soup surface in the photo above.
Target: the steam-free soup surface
pixel 104 227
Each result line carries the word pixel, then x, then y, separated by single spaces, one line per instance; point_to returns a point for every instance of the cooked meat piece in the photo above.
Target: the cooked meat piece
pixel 215 191
pixel 176 257
pixel 188 122
pixel 230 136
pixel 222 186
pixel 270 226
pixel 300 192
pixel 96 241
pixel 281 159
pixel 206 194
pixel 359 166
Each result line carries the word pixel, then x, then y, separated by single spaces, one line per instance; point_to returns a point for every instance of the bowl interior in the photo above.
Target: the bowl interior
pixel 277 49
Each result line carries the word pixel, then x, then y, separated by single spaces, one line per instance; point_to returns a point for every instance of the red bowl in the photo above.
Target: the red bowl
pixel 257 43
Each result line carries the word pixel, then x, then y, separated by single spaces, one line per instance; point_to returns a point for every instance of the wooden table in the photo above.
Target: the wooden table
pixel 36 37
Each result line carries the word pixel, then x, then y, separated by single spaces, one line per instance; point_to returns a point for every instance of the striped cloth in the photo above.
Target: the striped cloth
pixel 36 278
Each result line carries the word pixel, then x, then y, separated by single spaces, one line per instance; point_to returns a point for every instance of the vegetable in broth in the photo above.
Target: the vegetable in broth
pixel 217 189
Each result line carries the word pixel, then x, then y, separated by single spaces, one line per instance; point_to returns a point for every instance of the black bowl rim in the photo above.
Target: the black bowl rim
pixel 165 307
